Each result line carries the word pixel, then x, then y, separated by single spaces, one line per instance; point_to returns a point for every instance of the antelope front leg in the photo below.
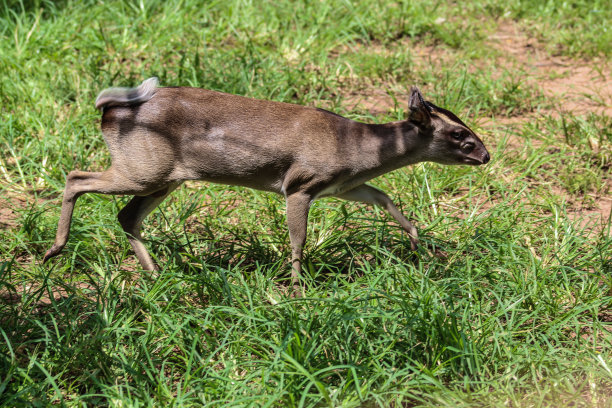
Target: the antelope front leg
pixel 298 205
pixel 370 195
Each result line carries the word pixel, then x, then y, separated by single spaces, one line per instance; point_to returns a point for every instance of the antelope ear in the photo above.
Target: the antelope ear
pixel 419 111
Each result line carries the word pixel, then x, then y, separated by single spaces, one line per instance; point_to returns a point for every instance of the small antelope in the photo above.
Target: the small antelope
pixel 160 137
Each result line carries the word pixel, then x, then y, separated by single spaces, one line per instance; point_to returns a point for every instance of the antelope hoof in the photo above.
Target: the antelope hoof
pixel 54 251
pixel 414 244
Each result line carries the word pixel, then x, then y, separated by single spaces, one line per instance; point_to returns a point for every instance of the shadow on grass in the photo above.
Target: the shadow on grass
pixel 46 7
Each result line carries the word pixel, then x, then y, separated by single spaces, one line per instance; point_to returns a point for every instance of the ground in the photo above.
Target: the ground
pixel 511 307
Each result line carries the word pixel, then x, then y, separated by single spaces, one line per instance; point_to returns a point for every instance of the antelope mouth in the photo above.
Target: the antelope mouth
pixel 473 162
pixel 477 161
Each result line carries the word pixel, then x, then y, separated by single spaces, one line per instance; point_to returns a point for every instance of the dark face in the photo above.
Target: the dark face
pixel 455 143
pixel 450 141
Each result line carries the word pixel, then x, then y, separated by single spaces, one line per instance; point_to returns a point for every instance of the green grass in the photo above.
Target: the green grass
pixel 513 309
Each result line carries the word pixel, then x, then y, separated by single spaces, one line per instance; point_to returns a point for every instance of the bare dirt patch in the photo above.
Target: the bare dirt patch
pixel 9 210
pixel 577 86
pixel 12 202
pixel 8 216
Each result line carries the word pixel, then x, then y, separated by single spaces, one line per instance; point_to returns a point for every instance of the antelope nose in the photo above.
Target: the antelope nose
pixel 486 158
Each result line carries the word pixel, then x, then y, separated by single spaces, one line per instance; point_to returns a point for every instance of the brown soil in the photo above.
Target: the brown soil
pixel 8 216
pixel 10 204
pixel 577 86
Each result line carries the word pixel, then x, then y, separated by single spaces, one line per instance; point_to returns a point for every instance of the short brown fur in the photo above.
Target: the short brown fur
pixel 160 137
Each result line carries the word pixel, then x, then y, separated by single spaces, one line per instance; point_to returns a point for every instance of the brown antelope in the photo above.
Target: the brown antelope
pixel 160 137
